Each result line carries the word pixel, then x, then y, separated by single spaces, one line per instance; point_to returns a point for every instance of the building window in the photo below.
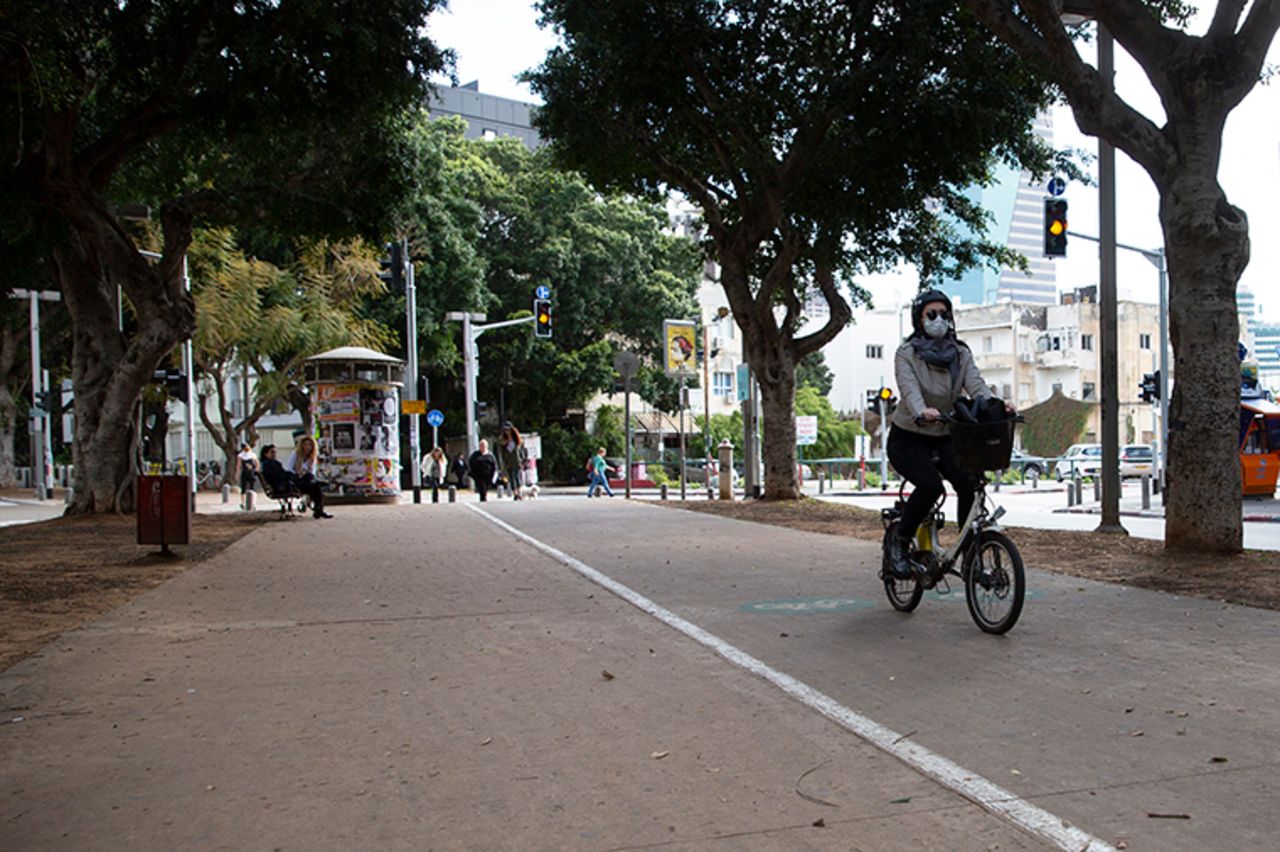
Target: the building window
pixel 1006 389
pixel 489 134
pixel 1024 390
pixel 875 351
pixel 1056 345
pixel 722 384
pixel 986 343
pixel 1089 392
pixel 1057 387
pixel 1086 342
pixel 1144 341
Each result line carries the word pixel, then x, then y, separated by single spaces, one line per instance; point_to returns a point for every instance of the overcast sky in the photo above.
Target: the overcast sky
pixel 497 39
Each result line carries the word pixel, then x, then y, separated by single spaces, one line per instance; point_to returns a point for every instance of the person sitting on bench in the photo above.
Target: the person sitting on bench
pixel 283 482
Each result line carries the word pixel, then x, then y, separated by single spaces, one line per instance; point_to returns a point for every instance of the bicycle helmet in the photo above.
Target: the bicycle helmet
pixel 917 309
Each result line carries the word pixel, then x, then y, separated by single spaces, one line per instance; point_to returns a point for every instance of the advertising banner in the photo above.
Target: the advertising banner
pixel 680 338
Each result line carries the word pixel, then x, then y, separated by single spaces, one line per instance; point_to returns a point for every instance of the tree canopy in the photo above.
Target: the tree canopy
pixel 818 140
pixel 249 112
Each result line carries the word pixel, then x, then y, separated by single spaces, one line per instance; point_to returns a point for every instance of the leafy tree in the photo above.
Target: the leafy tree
pixel 255 317
pixel 247 112
pixel 814 372
pixel 837 438
pixel 614 272
pixel 824 161
pixel 1199 81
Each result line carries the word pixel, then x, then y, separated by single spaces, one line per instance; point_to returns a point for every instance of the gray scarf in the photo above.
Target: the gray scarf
pixel 939 352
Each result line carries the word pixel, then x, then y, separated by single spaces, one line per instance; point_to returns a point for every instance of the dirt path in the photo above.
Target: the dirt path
pixel 56 575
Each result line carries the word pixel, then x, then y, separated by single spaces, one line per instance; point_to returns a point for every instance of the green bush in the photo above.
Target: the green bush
pixel 564 452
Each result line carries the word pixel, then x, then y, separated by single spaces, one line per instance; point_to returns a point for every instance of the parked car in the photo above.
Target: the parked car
pixel 1083 458
pixel 1136 460
pixel 1032 465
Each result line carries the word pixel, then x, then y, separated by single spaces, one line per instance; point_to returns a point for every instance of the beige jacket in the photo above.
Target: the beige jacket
pixel 922 386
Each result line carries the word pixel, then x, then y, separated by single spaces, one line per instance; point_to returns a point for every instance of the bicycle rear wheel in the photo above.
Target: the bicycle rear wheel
pixel 904 595
pixel 995 583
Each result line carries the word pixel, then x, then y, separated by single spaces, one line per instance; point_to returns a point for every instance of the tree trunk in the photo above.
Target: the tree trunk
pixel 1207 242
pixel 10 339
pixel 778 398
pixel 8 422
pixel 109 376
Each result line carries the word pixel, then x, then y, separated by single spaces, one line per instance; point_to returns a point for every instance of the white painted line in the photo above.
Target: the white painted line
pixel 972 786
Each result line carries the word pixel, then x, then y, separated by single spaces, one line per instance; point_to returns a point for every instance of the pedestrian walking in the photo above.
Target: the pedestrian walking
pixel 599 474
pixel 247 464
pixel 513 456
pixel 459 471
pixel 435 467
pixel 482 467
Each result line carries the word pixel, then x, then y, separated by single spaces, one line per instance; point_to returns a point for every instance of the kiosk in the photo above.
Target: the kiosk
pixel 355 403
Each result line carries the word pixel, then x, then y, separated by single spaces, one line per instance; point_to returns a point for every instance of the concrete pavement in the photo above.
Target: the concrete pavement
pixel 413 677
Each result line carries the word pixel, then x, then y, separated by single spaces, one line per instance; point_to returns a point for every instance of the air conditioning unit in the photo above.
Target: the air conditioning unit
pixel 1025 357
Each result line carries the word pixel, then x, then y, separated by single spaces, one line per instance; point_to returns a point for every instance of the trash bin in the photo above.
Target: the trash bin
pixel 164 511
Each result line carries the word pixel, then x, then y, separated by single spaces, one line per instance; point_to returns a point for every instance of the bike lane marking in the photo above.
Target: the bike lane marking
pixel 983 792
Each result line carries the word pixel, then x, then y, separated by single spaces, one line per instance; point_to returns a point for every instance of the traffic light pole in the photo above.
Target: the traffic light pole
pixel 471 361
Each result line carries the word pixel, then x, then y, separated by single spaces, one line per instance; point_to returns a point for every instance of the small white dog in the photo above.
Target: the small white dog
pixel 528 492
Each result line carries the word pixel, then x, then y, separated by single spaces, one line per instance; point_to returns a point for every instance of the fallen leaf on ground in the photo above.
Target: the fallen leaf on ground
pixel 1216 759
pixel 819 823
pixel 658 755
pixel 606 674
pixel 901 801
pixel 1169 816
pixel 1135 733
pixel 486 741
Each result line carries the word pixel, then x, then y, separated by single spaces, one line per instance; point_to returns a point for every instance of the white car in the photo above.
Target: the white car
pixel 1136 460
pixel 1083 458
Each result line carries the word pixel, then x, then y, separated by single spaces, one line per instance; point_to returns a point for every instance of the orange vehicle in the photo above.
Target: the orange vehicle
pixel 1259 446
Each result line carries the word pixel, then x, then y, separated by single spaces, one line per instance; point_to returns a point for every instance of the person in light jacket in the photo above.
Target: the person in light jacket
pixel 933 369
pixel 435 467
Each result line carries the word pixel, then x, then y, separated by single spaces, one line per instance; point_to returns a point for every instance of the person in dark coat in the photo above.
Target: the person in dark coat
pixel 282 481
pixel 459 471
pixel 482 467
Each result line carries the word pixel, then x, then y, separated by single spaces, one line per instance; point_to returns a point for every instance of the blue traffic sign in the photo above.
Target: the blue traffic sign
pixel 543 292
pixel 435 417
pixel 1057 186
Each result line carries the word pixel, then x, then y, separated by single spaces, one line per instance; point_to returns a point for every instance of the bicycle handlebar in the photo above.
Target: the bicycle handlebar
pixel 947 418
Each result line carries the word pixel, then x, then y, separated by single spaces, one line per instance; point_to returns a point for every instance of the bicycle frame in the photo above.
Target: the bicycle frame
pixel 978 519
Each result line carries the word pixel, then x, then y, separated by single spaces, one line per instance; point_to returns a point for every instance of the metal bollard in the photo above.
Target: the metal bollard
pixel 1097 488
pixel 453 494
pixel 862 480
pixel 1035 479
pixel 999 476
pixel 663 490
pixel 250 497
pixel 70 495
pixel 1146 491
pixel 1078 484
pixel 1071 494
pixel 417 494
pixel 711 492
pixel 822 483
pixel 226 492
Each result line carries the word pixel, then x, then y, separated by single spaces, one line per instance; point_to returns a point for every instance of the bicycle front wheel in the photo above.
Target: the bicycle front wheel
pixel 904 595
pixel 995 583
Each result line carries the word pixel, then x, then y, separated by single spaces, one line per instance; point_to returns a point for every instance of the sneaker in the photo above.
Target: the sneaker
pixel 319 515
pixel 899 565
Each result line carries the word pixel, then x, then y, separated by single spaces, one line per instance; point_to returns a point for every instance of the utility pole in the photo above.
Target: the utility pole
pixel 1107 299
pixel 189 430
pixel 39 434
pixel 411 368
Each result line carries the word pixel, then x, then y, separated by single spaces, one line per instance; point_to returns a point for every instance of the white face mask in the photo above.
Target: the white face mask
pixel 936 327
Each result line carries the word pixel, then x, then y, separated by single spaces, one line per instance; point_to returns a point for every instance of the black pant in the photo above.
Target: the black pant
pixel 482 488
pixel 435 489
pixel 308 485
pixel 910 453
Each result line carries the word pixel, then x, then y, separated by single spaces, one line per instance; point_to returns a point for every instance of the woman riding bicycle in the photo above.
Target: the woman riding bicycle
pixel 933 369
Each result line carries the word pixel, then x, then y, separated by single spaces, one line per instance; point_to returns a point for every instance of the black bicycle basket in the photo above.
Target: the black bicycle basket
pixel 983 446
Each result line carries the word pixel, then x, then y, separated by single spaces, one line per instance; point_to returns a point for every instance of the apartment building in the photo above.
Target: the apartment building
pixel 1029 352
